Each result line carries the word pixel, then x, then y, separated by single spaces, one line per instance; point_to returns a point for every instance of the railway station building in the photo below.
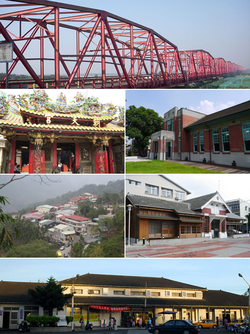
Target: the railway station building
pixel 222 137
pixel 99 297
pixel 158 210
pixel 39 135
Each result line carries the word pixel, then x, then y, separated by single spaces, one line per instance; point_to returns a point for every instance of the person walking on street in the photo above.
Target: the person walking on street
pixel 225 322
pixel 82 323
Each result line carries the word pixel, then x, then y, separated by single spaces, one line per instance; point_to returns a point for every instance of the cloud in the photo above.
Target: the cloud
pixel 209 107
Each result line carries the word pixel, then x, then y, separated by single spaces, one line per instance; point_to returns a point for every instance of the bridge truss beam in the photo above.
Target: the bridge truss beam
pixel 90 48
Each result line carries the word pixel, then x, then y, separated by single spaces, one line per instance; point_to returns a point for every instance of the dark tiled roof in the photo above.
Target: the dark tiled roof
pixel 198 202
pixel 234 216
pixel 219 297
pixel 179 207
pixel 216 298
pixel 16 292
pixel 235 110
pixel 128 282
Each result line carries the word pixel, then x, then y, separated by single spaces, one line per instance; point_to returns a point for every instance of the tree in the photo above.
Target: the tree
pixel 140 124
pixel 36 248
pixel 5 236
pixel 50 296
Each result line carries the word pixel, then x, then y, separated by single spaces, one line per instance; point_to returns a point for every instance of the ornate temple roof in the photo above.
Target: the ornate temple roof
pixel 38 111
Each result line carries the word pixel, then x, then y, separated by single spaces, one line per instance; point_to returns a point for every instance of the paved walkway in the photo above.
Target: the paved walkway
pixel 211 167
pixel 220 248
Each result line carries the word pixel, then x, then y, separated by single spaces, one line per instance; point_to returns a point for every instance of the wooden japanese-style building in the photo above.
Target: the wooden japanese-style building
pixel 42 136
pixel 153 218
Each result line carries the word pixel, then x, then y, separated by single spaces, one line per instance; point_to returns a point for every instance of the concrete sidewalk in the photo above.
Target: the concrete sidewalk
pixel 217 248
pixel 210 167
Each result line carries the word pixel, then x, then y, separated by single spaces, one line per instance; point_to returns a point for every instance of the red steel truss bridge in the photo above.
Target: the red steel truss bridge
pixel 88 48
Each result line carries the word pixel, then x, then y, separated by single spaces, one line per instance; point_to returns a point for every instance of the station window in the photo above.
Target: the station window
pixel 225 140
pixel 195 142
pixel 93 292
pixel 246 136
pixel 137 293
pixel 201 141
pixel 216 143
pixel 119 292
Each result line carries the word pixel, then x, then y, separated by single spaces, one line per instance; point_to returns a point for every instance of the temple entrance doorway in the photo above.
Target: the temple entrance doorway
pixel 22 155
pixel 66 157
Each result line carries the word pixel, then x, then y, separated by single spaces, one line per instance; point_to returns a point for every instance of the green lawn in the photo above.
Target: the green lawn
pixel 165 167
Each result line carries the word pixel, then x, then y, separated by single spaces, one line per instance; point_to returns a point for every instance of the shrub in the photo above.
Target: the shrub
pixel 37 320
pixel 69 319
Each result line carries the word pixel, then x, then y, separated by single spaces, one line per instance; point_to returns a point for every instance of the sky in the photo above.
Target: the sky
pixel 204 101
pixel 22 193
pixel 221 28
pixel 214 274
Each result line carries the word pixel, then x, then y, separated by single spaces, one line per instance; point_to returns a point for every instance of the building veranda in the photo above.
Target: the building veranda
pixel 39 135
pixel 99 297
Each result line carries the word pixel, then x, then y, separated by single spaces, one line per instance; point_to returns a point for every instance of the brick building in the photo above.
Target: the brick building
pixel 221 138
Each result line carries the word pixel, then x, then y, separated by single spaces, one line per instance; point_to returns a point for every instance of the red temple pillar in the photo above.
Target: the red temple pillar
pixel 111 169
pixel 54 147
pixel 77 160
pixel 13 156
pixel 30 158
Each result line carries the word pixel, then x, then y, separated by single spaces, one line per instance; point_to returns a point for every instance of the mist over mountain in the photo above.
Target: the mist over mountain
pixel 52 189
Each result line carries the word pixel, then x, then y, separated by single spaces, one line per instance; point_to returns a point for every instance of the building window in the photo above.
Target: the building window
pixel 93 292
pixel 172 124
pixel 135 183
pixel 154 228
pixel 78 291
pixel 225 140
pixel 179 144
pixel 155 294
pixel 179 120
pixel 216 143
pixel 152 190
pixel 169 125
pixel 201 141
pixel 166 193
pixel 156 146
pixel 119 292
pixel 195 142
pixel 234 207
pixel 176 294
pixel 137 293
pixel 180 195
pixel 190 295
pixel 246 136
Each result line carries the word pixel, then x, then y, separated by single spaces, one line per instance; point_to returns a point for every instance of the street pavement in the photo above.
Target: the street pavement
pixel 119 331
pixel 210 167
pixel 216 248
